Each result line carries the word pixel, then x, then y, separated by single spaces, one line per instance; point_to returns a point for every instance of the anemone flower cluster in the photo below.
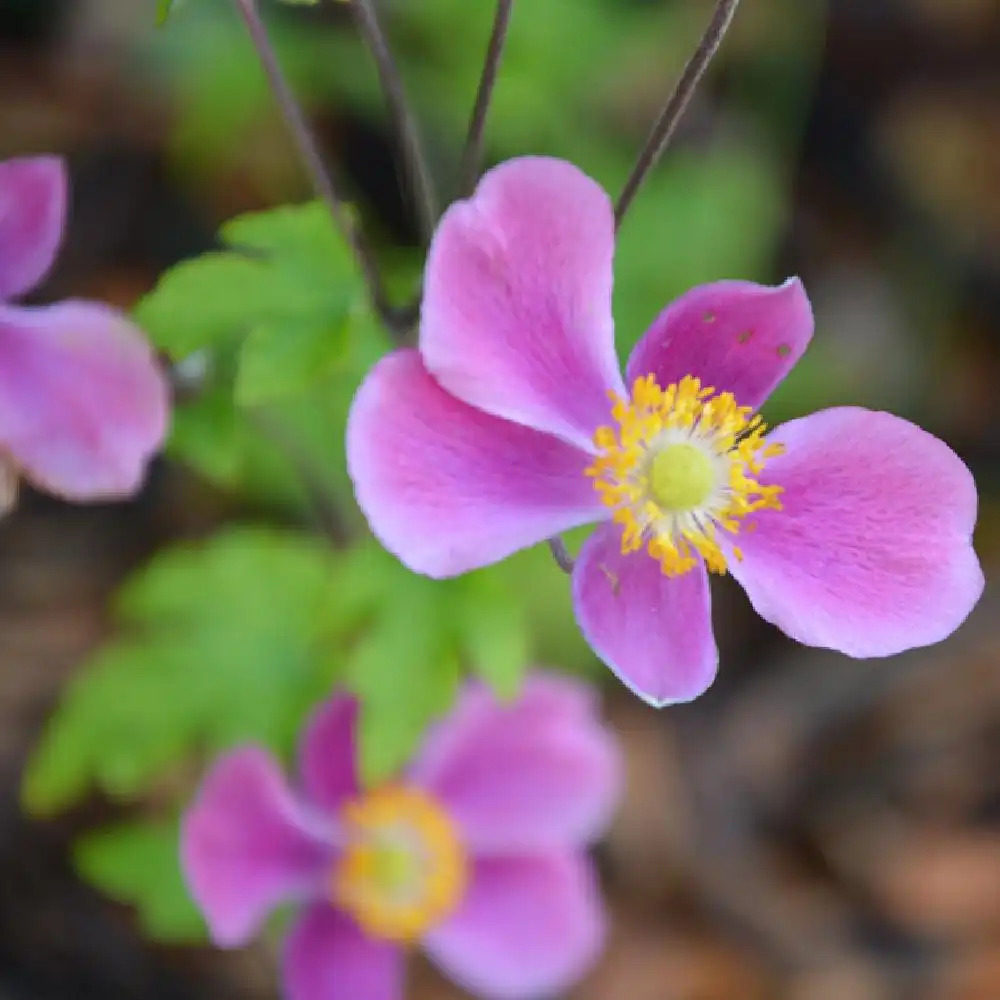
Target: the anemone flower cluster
pixel 848 529
pixel 477 850
pixel 83 406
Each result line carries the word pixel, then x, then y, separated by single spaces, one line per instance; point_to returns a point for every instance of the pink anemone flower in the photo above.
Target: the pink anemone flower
pixel 848 529
pixel 83 405
pixel 477 850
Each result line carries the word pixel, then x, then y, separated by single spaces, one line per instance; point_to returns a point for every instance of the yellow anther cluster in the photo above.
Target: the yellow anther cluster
pixel 404 869
pixel 653 440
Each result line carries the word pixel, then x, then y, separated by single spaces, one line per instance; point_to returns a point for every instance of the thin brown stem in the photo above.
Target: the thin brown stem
pixel 472 157
pixel 305 144
pixel 666 124
pixel 414 160
pixel 561 554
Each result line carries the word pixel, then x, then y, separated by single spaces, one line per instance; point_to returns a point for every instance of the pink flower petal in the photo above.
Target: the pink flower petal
pixel 447 488
pixel 872 553
pixel 247 845
pixel 327 755
pixel 328 958
pixel 529 927
pixel 540 772
pixel 32 215
pixel 516 316
pixel 83 405
pixel 654 631
pixel 737 336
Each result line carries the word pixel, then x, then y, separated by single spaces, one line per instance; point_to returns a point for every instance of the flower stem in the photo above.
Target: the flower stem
pixel 414 160
pixel 473 154
pixel 561 554
pixel 305 144
pixel 666 124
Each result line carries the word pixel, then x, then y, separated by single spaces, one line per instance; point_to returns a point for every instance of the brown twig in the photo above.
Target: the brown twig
pixel 414 160
pixel 473 153
pixel 666 124
pixel 305 144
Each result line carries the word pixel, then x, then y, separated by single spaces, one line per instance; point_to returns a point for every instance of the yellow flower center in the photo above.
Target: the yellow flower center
pixel 681 477
pixel 681 463
pixel 404 868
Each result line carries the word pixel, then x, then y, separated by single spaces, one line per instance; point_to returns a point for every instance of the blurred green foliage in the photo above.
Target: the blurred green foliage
pixel 236 638
pixel 138 863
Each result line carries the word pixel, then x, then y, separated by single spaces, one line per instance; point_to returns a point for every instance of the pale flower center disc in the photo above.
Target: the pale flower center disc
pixel 681 477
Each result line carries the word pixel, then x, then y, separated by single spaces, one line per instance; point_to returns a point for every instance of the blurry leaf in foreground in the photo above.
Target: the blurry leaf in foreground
pixel 138 863
pixel 237 638
pixel 227 643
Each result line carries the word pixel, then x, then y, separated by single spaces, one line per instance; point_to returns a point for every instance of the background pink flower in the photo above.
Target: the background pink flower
pixel 83 405
pixel 849 529
pixel 478 849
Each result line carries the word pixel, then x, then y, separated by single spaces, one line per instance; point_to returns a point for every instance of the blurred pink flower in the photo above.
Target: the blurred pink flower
pixel 854 527
pixel 477 850
pixel 83 405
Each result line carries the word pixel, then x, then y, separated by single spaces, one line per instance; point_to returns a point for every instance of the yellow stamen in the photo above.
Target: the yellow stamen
pixel 404 869
pixel 682 462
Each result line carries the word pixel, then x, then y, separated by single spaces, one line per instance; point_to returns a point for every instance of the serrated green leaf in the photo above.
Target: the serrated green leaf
pixel 287 267
pixel 209 299
pixel 417 637
pixel 138 863
pixel 299 235
pixel 406 664
pixel 285 323
pixel 281 359
pixel 225 641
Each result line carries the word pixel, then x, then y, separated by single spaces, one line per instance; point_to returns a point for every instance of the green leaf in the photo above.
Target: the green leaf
pixel 210 435
pixel 284 322
pixel 225 641
pixel 301 238
pixel 404 666
pixel 138 863
pixel 417 635
pixel 205 301
pixel 247 450
pixel 406 677
pixel 493 630
pixel 288 271
pixel 163 9
pixel 281 359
